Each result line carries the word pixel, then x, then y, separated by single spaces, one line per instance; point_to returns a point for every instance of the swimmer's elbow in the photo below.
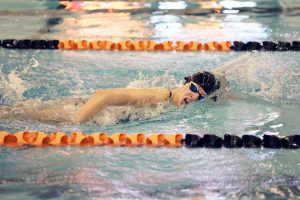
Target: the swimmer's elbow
pixel 97 102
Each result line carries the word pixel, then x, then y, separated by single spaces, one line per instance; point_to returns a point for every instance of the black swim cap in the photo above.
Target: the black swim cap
pixel 206 80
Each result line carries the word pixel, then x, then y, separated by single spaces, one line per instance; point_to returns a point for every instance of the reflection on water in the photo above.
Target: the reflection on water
pixel 134 173
pixel 158 20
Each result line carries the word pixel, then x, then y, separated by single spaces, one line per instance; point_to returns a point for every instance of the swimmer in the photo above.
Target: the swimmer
pixel 196 87
pixel 113 106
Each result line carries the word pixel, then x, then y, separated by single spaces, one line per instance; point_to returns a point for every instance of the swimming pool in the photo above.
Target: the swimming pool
pixel 267 83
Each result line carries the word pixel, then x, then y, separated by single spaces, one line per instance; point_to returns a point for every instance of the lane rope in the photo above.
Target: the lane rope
pixel 150 45
pixel 42 139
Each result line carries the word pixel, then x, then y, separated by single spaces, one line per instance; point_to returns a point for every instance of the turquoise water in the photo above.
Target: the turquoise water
pixel 266 84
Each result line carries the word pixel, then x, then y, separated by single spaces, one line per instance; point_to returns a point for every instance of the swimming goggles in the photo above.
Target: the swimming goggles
pixel 194 88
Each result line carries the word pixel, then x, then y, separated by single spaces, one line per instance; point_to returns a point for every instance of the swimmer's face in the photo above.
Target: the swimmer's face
pixel 187 96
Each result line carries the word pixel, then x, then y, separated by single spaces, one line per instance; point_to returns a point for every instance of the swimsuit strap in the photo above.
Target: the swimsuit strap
pixel 170 93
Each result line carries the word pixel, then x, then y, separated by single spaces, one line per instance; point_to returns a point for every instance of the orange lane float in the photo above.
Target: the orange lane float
pixel 173 140
pixel 217 46
pixel 3 134
pixel 32 138
pixel 79 139
pixel 136 139
pixel 143 45
pixel 67 45
pixel 126 46
pixel 209 46
pixel 95 45
pixel 155 140
pixel 164 46
pixel 117 139
pixel 7 139
pixel 82 44
pixel 223 46
pixel 99 138
pixel 58 139
pixel 191 46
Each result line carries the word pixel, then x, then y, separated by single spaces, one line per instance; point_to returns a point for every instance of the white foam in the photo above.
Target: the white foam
pixel 13 85
pixel 165 80
pixel 16 83
pixel 263 74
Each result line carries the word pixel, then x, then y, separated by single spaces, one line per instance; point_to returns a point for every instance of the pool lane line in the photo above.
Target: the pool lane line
pixel 42 139
pixel 150 45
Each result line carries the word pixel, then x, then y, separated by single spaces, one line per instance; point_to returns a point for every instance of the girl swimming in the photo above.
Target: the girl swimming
pixel 118 101
pixel 196 87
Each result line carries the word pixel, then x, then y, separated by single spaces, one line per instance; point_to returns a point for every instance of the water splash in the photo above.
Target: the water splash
pixel 12 84
pixel 272 76
pixel 166 80
pixel 115 115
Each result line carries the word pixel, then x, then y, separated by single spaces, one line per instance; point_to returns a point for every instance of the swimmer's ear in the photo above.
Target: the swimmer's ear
pixel 187 79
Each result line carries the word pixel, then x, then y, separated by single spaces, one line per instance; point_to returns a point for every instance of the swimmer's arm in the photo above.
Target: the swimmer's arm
pixel 116 97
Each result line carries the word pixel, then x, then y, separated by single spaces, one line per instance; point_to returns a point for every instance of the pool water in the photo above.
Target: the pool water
pixel 266 87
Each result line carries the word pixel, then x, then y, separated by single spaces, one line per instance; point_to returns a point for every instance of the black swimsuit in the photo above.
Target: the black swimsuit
pixel 170 93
